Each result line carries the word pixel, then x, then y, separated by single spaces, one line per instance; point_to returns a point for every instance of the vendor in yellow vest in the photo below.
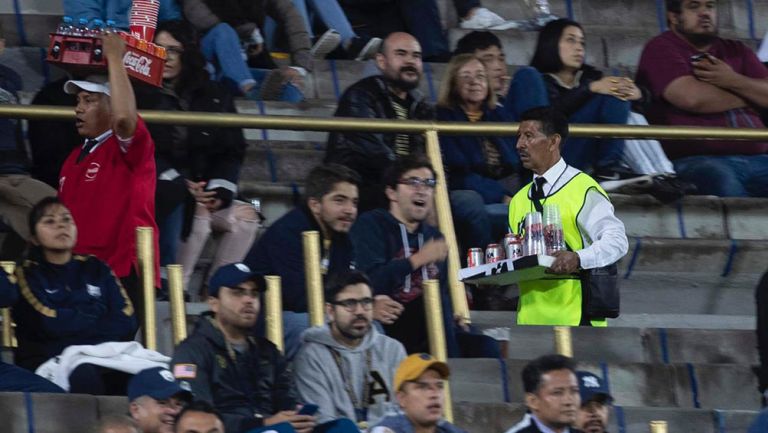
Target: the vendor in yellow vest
pixel 594 236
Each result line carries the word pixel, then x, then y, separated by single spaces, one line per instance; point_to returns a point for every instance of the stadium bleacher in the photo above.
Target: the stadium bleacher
pixel 683 349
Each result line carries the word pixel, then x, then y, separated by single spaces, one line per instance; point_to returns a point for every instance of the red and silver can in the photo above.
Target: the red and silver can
pixel 494 253
pixel 475 257
pixel 513 246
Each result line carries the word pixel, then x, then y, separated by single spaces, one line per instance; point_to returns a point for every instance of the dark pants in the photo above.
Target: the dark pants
pixel 95 380
pixel 17 379
pixel 464 6
pixel 761 299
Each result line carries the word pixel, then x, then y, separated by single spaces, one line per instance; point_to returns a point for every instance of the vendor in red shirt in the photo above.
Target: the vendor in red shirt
pixel 109 182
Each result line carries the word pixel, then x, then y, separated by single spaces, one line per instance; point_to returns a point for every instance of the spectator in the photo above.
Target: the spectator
pixel 399 251
pixel 109 183
pixel 595 403
pixel 594 236
pixel 707 81
pixel 18 191
pixel 420 385
pixel 117 424
pixel 330 207
pixel 225 24
pixel 17 379
pixel 244 376
pixel 487 166
pixel 487 47
pixel 199 417
pixel 156 399
pixel 60 300
pixel 551 395
pixel 760 424
pixel 198 168
pixel 332 16
pixel 347 366
pixel 583 94
pixel 390 95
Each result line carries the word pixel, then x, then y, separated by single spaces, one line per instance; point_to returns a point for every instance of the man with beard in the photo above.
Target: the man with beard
pixel 330 207
pixel 551 395
pixel 399 251
pixel 242 375
pixel 595 403
pixel 391 95
pixel 347 366
pixel 155 400
pixel 697 78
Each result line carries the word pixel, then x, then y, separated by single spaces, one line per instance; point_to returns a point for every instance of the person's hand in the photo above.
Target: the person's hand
pixel 300 423
pixel 386 310
pixel 461 322
pixel 715 71
pixel 205 198
pixel 113 46
pixel 434 250
pixel 566 262
pixel 619 87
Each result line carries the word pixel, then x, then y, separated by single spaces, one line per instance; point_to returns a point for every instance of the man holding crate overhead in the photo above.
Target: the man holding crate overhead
pixel 108 183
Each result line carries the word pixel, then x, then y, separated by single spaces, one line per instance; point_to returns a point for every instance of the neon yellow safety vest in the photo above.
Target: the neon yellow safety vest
pixel 557 301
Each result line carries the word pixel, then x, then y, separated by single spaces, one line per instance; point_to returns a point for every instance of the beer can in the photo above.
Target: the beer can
pixel 474 257
pixel 494 253
pixel 513 246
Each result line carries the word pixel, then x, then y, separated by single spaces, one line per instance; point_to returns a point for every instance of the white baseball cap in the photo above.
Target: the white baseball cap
pixel 92 83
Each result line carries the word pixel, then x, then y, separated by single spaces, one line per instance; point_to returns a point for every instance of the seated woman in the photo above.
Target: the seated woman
pixel 482 170
pixel 582 93
pixel 60 299
pixel 198 167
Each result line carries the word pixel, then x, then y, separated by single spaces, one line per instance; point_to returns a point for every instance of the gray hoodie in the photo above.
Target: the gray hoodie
pixel 319 380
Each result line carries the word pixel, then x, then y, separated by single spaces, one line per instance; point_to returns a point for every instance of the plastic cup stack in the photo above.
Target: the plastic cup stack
pixel 143 20
pixel 533 243
pixel 553 229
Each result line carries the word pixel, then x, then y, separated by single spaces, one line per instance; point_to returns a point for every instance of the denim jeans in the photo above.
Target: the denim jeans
pixel 422 19
pixel 477 224
pixel 726 176
pixel 293 325
pixel 328 11
pixel 527 90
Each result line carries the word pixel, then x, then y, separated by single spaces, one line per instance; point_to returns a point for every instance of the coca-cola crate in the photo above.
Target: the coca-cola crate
pixel 85 55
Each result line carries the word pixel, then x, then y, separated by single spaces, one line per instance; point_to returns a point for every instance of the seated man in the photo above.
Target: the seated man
pixel 330 208
pixel 595 403
pixel 242 375
pixel 697 78
pixel 155 400
pixel 551 395
pixel 399 251
pixel 117 424
pixel 420 385
pixel 347 367
pixel 199 417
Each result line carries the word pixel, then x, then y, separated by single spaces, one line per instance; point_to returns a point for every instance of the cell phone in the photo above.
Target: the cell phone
pixel 696 57
pixel 308 409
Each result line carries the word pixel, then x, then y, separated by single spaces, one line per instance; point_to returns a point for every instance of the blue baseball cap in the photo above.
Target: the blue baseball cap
pixel 592 388
pixel 232 275
pixel 158 383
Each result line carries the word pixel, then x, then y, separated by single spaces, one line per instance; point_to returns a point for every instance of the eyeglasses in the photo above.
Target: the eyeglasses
pixel 174 52
pixel 470 78
pixel 416 182
pixel 351 304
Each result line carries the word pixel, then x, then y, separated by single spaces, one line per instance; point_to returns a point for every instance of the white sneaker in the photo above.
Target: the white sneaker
pixel 482 19
pixel 325 44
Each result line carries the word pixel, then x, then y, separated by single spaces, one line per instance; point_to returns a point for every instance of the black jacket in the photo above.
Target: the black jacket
pixel 243 387
pixel 528 425
pixel 569 101
pixel 370 153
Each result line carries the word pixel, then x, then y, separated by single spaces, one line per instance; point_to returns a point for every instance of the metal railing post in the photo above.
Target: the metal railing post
pixel 313 277
pixel 146 257
pixel 9 268
pixel 435 330
pixel 176 303
pixel 273 307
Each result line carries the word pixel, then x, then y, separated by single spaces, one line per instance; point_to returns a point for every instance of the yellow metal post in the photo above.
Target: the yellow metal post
pixel 434 313
pixel 146 255
pixel 274 310
pixel 563 341
pixel 658 426
pixel 8 338
pixel 445 221
pixel 176 301
pixel 313 277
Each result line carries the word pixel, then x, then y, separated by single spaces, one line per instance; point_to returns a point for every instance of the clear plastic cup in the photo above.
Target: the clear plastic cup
pixel 553 229
pixel 533 243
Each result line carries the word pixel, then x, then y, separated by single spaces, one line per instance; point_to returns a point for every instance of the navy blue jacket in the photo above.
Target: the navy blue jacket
pixel 12 154
pixel 56 306
pixel 280 251
pixel 464 159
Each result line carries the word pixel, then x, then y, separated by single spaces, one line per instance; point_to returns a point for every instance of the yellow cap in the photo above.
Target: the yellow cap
pixel 415 365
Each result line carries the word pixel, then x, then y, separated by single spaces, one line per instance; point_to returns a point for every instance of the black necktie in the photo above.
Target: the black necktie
pixel 537 193
pixel 87 147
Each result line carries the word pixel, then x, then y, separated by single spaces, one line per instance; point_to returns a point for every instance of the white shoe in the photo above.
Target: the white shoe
pixel 325 44
pixel 482 19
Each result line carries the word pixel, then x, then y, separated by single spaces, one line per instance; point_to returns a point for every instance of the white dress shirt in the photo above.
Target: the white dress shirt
pixel 603 234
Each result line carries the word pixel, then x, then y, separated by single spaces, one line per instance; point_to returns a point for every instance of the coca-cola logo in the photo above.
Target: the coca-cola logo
pixel 137 63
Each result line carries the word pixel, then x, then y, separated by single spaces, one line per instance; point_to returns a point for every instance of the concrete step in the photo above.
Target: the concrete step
pixel 632 384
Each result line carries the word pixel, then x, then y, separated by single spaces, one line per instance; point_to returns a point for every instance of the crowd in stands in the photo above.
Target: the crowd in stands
pixel 75 292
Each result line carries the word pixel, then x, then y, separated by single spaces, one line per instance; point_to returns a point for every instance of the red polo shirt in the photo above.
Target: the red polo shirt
pixel 110 193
